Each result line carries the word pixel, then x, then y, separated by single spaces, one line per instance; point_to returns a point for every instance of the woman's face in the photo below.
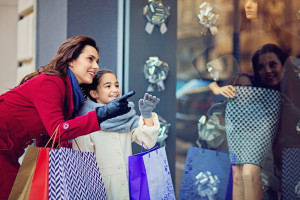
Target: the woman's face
pixel 251 9
pixel 107 90
pixel 86 65
pixel 270 69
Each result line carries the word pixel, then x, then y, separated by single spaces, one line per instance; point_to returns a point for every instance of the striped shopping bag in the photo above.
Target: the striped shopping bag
pixel 74 175
pixel 291 173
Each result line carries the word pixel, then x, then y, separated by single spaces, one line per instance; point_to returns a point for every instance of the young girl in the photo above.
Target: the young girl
pixel 112 145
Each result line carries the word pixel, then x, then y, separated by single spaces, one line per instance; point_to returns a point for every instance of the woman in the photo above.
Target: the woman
pixel 49 98
pixel 273 69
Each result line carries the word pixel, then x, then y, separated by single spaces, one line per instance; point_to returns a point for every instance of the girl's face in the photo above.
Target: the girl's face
pixel 86 65
pixel 251 9
pixel 108 89
pixel 270 69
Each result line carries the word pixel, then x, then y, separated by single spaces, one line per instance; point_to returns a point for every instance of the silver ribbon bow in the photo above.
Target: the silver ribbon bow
pixel 297 189
pixel 208 19
pixel 155 71
pixel 156 14
pixel 163 131
pixel 207 184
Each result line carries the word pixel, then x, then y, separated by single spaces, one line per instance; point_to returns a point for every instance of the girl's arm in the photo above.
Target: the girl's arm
pixel 227 91
pixel 148 121
pixel 146 134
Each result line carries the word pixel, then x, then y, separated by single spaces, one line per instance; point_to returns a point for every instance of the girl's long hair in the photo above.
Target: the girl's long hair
pixel 67 52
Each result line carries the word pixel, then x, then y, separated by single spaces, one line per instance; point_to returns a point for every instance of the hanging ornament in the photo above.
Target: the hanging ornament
pixel 208 19
pixel 156 14
pixel 163 131
pixel 155 72
pixel 297 189
pixel 207 184
pixel 298 127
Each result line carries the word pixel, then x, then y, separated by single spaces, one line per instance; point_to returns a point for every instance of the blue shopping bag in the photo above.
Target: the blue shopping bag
pixel 149 176
pixel 205 172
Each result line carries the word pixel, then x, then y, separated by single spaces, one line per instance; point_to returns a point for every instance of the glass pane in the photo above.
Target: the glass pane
pixel 238 83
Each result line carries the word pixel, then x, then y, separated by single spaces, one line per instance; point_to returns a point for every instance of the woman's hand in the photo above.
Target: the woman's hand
pixel 114 108
pixel 147 105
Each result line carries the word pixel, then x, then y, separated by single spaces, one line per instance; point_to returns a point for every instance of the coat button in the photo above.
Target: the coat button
pixel 116 137
pixel 66 125
pixel 124 183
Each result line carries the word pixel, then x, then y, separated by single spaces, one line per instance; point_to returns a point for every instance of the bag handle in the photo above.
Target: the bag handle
pixel 148 149
pixel 77 144
pixel 54 134
pixel 205 146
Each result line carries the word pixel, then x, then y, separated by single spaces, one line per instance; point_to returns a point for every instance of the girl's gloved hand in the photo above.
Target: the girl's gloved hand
pixel 114 108
pixel 147 105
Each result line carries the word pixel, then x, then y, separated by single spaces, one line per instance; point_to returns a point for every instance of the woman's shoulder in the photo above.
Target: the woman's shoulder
pixel 46 77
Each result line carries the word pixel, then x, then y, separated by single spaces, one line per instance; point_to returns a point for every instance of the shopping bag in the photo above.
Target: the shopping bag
pixel 291 173
pixel 149 176
pixel 74 175
pixel 206 175
pixel 39 189
pixel 252 117
pixel 22 183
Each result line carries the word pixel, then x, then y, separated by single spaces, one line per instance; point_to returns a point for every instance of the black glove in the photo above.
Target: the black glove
pixel 114 108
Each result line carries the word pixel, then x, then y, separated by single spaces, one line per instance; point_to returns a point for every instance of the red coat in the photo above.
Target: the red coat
pixel 31 110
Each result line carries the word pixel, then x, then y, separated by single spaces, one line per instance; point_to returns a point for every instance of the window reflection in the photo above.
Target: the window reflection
pixel 220 58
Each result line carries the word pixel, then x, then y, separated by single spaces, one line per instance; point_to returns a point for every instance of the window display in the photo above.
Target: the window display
pixel 211 59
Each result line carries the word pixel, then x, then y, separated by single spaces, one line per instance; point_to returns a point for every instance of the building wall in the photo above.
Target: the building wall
pixel 8 48
pixel 60 19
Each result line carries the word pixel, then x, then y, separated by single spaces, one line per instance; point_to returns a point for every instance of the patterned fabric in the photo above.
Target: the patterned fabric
pixel 74 175
pixel 202 160
pixel 290 173
pixel 251 123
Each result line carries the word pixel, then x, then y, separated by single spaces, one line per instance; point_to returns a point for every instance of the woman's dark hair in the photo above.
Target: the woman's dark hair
pixel 67 52
pixel 267 48
pixel 86 88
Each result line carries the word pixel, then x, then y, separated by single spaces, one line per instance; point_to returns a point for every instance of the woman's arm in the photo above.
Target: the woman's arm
pixel 49 101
